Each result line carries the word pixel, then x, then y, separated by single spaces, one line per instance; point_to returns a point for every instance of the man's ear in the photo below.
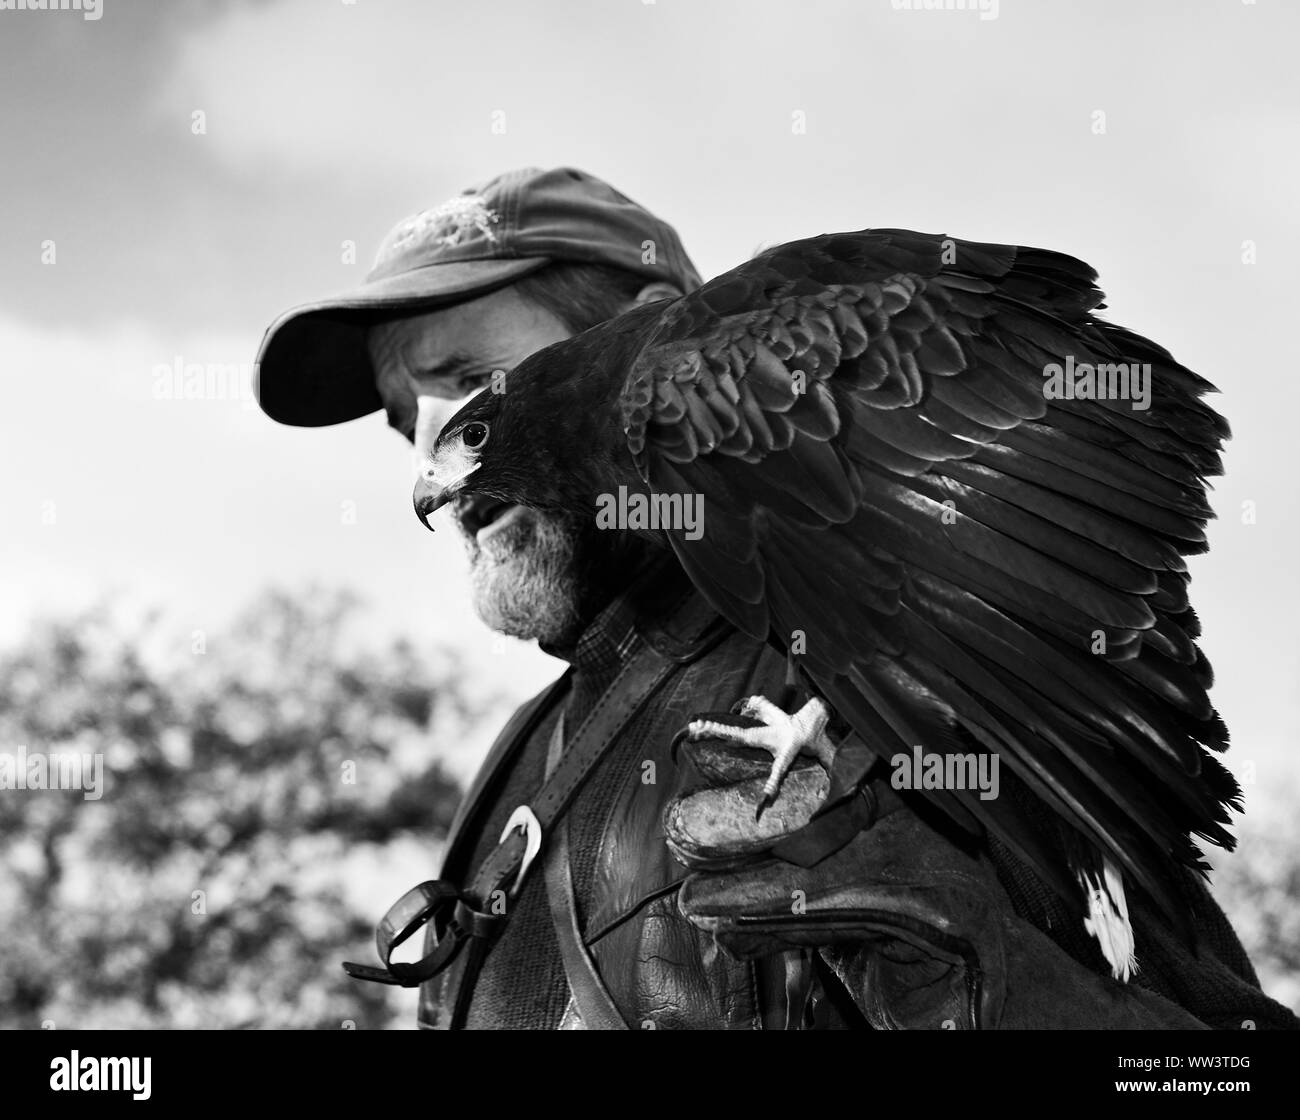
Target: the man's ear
pixel 660 289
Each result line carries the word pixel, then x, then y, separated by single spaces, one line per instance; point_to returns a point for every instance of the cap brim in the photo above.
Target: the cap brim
pixel 313 367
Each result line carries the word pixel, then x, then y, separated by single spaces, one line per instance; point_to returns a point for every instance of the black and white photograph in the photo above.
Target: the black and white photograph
pixel 549 515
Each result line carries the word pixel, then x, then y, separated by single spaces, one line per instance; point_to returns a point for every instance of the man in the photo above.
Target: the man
pixel 607 930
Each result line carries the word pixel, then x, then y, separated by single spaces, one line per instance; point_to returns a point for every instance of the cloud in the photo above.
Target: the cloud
pixel 300 87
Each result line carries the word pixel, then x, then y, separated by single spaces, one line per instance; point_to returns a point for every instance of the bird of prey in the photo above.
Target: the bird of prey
pixel 923 472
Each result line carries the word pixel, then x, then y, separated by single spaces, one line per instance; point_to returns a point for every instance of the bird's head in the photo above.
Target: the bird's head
pixel 477 454
pixel 532 439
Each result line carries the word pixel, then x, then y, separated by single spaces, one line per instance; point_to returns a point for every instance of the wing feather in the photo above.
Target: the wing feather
pixel 971 563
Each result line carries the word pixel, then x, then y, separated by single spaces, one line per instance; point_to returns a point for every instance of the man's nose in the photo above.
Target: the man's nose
pixel 430 416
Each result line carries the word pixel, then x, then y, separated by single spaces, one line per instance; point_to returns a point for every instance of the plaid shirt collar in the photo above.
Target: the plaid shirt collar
pixel 609 640
pixel 616 632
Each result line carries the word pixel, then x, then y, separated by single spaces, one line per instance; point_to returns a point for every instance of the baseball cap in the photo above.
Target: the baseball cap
pixel 313 367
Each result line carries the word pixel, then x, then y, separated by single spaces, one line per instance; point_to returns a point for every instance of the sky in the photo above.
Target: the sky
pixel 176 175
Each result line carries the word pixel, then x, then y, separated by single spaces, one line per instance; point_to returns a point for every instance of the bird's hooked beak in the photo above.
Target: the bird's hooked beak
pixel 428 499
pixel 441 471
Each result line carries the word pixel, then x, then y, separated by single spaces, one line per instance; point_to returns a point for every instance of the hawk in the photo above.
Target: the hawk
pixel 958 499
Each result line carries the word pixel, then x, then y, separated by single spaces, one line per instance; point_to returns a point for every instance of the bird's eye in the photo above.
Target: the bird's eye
pixel 474 435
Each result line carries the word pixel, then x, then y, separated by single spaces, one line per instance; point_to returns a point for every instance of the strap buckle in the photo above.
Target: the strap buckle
pixel 524 819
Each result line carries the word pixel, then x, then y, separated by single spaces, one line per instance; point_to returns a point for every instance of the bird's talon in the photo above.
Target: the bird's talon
pixel 782 735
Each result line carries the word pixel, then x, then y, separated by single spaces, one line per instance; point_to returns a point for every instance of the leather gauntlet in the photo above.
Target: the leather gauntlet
pixel 920 934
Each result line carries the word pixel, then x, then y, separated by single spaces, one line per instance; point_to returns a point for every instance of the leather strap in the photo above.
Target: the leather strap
pixel 474 914
pixel 467 825
pixel 594 1004
pixel 638 677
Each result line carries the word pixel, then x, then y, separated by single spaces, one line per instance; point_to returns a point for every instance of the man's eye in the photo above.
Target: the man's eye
pixel 471 385
pixel 474 435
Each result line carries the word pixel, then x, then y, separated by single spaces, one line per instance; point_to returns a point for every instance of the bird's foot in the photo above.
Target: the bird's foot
pixel 783 735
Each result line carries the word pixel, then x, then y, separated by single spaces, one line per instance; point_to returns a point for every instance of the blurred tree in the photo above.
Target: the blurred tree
pixel 1258 887
pixel 251 787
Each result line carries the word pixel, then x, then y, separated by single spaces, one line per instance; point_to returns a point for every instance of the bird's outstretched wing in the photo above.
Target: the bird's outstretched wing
pixel 889 492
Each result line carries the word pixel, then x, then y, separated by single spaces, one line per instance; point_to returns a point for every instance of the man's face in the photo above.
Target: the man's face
pixel 435 360
pixel 526 568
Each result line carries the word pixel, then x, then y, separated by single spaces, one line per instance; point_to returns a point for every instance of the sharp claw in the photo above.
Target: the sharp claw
pixel 781 763
pixel 784 735
pixel 675 745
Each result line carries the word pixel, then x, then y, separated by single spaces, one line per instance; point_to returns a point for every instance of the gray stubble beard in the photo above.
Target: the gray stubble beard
pixel 526 581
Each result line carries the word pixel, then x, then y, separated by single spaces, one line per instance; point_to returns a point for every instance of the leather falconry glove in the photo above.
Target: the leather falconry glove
pixel 920 934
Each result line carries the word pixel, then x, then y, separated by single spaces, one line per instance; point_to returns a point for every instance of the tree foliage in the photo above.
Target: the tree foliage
pixel 253 783
pixel 1258 887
